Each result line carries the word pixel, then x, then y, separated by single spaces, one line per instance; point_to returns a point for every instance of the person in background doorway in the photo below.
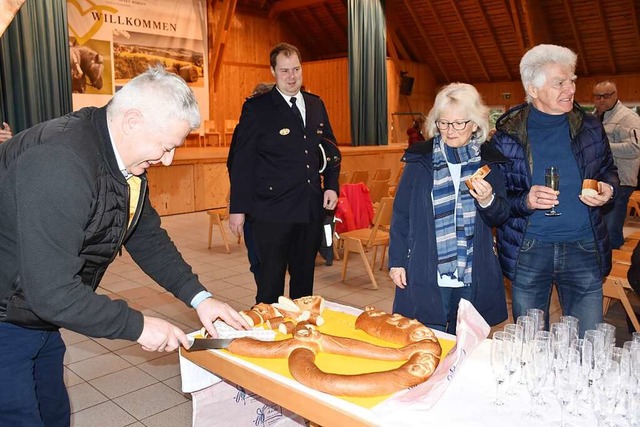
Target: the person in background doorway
pixel 414 133
pixel 622 126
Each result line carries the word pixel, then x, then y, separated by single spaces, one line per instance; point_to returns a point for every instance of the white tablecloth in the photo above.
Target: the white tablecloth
pixel 468 400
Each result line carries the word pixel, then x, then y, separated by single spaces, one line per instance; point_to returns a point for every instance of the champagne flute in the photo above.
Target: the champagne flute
pixel 552 180
pixel 501 352
pixel 536 370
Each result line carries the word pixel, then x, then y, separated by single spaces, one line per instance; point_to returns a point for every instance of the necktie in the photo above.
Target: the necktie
pixel 134 195
pixel 295 110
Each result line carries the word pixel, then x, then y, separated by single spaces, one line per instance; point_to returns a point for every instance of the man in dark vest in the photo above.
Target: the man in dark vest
pixel 73 191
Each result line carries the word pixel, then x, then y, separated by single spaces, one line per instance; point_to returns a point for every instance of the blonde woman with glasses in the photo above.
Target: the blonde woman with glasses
pixel 441 246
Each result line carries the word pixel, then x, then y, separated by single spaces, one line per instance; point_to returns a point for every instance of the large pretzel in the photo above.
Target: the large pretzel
pixel 421 350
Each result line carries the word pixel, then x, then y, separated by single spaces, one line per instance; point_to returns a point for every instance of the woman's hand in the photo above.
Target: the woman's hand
pixel 482 191
pixel 399 276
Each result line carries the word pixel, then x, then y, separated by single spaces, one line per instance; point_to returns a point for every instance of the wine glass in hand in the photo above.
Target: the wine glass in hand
pixel 552 180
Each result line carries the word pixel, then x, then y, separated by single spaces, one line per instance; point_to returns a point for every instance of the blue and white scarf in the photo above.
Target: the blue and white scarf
pixel 454 234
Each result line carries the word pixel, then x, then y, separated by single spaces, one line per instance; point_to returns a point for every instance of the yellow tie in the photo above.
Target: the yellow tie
pixel 134 195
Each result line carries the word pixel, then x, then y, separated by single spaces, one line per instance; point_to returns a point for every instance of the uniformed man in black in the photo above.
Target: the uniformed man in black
pixel 275 179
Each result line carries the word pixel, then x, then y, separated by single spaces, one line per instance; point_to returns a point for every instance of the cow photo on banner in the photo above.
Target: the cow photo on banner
pixel 112 41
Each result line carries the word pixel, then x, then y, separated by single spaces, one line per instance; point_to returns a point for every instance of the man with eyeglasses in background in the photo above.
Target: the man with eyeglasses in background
pixel 622 126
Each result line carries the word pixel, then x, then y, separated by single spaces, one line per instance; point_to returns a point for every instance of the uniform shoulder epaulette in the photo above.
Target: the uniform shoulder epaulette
pixel 255 95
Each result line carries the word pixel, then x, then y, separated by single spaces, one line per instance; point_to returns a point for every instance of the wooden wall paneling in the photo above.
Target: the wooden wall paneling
pixel 420 100
pixel 211 185
pixel 371 158
pixel 329 79
pixel 171 189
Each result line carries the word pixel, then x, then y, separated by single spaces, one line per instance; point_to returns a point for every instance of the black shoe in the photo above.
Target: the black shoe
pixel 328 262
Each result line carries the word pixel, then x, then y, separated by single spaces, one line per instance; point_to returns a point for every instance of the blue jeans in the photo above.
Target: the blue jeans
pixel 615 213
pixel 31 371
pixel 572 266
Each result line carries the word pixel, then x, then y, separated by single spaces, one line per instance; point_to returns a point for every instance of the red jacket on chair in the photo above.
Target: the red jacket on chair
pixel 359 203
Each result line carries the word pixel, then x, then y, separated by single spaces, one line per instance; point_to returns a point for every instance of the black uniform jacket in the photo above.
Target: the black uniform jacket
pixel 275 175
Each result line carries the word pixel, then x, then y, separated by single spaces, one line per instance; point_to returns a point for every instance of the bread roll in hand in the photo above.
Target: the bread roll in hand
pixel 479 174
pixel 590 187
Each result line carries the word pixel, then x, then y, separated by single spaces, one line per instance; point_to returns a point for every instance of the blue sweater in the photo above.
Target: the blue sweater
pixel 551 146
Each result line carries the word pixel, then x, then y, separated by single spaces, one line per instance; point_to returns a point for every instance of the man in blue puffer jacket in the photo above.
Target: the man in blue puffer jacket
pixel 571 250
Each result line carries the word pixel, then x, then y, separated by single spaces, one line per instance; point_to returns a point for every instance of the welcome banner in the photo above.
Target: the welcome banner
pixel 112 41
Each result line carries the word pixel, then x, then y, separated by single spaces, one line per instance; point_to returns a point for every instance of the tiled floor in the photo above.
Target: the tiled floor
pixel 115 383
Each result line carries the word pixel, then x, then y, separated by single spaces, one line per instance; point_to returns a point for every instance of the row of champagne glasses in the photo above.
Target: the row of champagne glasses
pixel 589 369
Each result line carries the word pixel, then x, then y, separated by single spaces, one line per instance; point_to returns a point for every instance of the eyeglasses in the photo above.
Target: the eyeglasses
pixel 604 95
pixel 457 125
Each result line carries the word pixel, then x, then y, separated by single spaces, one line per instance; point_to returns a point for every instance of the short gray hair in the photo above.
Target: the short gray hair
pixel 162 95
pixel 533 62
pixel 466 97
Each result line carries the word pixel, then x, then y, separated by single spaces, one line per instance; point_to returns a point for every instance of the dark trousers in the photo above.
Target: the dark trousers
pixel 31 368
pixel 450 299
pixel 283 245
pixel 615 213
pixel 254 261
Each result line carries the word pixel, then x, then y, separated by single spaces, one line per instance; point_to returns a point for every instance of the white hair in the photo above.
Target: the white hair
pixel 465 96
pixel 537 58
pixel 164 96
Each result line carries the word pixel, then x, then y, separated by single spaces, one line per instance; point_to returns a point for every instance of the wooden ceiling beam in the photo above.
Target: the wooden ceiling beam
pixel 448 39
pixel 515 23
pixel 319 24
pixel 400 47
pixel 419 25
pixel 393 37
pixel 576 36
pixel 474 48
pixel 494 40
pixel 342 26
pixel 605 36
pixel 634 20
pixel 293 17
pixel 218 38
pixel 290 5
pixel 535 23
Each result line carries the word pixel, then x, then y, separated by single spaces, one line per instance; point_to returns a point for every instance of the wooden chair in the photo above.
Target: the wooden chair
pixel 621 257
pixel 382 175
pixel 394 186
pixel 229 126
pixel 378 190
pixel 211 135
pixel 633 206
pixel 359 176
pixel 342 178
pixel 216 217
pixel 359 241
pixel 615 286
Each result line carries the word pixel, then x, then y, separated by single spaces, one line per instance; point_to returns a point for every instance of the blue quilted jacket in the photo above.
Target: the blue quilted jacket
pixel 591 149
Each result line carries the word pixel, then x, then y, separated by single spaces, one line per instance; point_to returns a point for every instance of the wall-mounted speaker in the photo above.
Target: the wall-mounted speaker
pixel 406 85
